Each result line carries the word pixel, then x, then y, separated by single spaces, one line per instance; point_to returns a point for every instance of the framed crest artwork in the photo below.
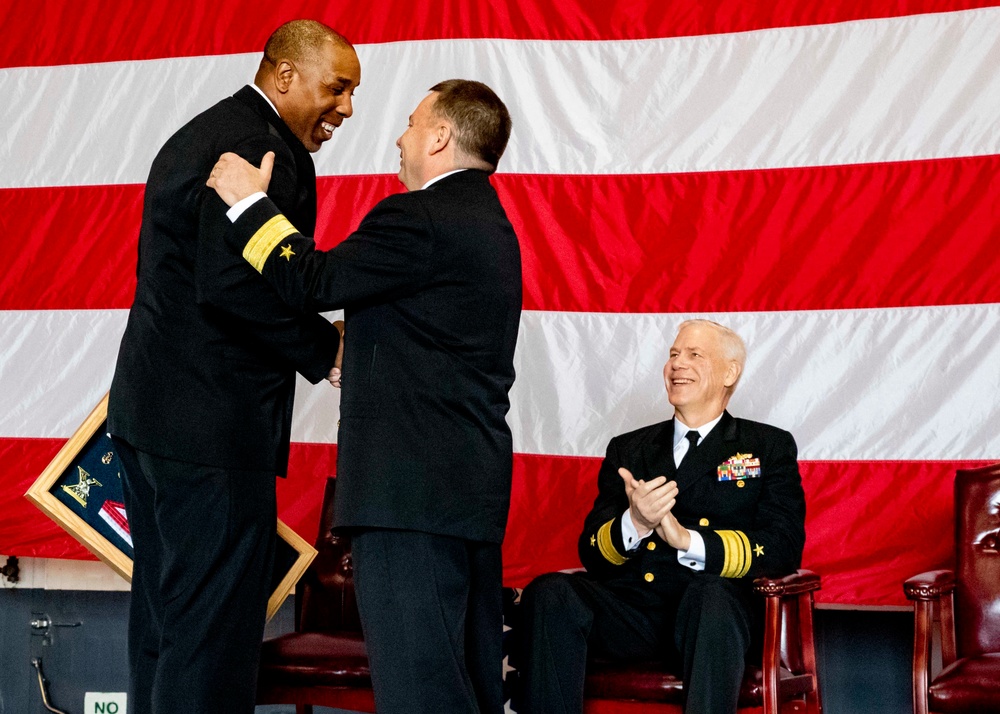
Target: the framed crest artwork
pixel 81 490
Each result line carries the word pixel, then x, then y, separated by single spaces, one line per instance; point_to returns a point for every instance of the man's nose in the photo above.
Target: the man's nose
pixel 346 107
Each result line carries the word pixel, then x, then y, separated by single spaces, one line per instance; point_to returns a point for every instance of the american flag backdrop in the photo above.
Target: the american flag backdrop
pixel 822 177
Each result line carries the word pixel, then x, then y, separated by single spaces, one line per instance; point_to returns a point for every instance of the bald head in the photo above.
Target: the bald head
pixel 299 41
pixel 309 72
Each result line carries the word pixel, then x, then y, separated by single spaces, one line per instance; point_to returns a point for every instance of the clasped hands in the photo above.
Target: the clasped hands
pixel 651 506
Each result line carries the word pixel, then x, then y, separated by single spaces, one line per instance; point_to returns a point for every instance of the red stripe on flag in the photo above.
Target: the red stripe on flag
pixel 64 32
pixel 872 524
pixel 69 247
pixel 836 237
pixel 862 555
pixel 115 511
pixel 861 236
pixel 25 530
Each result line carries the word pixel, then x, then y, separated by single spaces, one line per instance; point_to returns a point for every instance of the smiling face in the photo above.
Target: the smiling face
pixel 418 143
pixel 315 94
pixel 698 377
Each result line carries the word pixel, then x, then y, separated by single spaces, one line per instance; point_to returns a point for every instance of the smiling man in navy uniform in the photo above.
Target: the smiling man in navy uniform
pixel 201 402
pixel 688 512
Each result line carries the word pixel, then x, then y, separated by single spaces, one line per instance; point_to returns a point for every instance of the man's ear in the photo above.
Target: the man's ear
pixel 442 138
pixel 284 73
pixel 732 374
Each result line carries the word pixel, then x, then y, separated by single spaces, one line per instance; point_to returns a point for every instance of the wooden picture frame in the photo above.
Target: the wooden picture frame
pixel 62 492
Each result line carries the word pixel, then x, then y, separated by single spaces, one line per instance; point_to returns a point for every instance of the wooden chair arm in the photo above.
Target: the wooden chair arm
pixel 930 591
pixel 930 585
pixel 799 585
pixel 801 581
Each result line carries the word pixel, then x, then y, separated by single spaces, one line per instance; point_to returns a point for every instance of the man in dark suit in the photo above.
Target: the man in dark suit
pixel 201 401
pixel 431 287
pixel 688 512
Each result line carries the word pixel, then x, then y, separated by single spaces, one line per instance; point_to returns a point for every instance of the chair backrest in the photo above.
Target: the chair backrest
pixel 325 600
pixel 977 567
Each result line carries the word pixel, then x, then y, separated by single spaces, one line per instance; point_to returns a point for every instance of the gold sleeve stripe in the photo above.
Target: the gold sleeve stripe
pixel 727 550
pixel 738 555
pixel 747 553
pixel 606 546
pixel 267 237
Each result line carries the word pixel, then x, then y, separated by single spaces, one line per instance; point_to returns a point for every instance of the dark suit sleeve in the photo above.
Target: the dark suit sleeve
pixel 772 543
pixel 227 285
pixel 600 546
pixel 388 256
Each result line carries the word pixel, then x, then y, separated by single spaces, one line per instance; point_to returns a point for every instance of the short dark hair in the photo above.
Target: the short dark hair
pixel 482 122
pixel 296 40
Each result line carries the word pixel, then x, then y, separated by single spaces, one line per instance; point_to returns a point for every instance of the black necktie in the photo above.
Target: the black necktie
pixel 693 437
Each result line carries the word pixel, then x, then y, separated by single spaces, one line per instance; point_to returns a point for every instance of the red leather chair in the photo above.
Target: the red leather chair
pixel 786 682
pixel 967 604
pixel 323 662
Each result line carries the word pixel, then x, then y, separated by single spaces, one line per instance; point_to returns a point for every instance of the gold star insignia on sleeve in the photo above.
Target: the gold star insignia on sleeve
pixel 262 243
pixel 287 252
pixel 758 550
pixel 593 540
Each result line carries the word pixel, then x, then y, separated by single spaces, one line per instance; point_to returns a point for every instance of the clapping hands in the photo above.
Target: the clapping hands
pixel 651 506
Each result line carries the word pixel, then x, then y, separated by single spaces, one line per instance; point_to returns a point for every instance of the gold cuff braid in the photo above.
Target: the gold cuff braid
pixel 738 554
pixel 267 237
pixel 606 546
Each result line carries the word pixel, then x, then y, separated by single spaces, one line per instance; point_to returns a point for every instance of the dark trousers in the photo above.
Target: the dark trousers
pixel 705 627
pixel 204 550
pixel 432 615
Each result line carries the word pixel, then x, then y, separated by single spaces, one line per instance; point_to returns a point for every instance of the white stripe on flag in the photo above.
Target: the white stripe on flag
pixel 55 366
pixel 895 89
pixel 906 383
pixel 114 515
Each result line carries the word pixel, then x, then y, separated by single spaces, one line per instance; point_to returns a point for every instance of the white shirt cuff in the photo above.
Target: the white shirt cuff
pixel 630 536
pixel 239 207
pixel 694 556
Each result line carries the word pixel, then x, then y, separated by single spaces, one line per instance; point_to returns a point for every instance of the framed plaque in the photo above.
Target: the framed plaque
pixel 81 490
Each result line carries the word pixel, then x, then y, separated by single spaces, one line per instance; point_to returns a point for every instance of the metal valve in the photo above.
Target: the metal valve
pixel 41 624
